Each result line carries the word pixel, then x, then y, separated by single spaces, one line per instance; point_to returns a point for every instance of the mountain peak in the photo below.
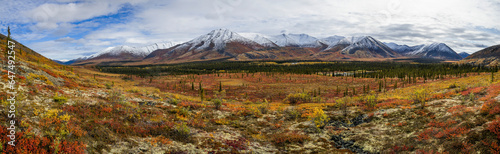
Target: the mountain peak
pixel 433 50
pixel 216 38
pixel 295 40
pixel 260 39
pixel 464 54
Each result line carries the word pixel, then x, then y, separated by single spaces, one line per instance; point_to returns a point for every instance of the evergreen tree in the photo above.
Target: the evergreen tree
pixel 492 76
pixel 7 43
pixel 220 86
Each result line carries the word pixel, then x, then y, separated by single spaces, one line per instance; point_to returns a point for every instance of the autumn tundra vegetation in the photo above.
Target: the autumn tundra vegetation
pixel 254 107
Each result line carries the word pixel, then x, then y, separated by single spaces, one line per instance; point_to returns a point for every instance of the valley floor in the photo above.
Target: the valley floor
pixel 254 113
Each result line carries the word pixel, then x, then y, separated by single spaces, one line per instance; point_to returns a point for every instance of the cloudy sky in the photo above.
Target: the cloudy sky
pixel 67 29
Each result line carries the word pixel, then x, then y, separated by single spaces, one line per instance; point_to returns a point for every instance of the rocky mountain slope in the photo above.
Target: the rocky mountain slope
pixel 434 50
pixel 357 47
pixel 217 44
pixel 488 56
pixel 119 53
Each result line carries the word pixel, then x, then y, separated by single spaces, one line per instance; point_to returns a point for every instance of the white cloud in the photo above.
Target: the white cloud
pixel 454 22
pixel 49 15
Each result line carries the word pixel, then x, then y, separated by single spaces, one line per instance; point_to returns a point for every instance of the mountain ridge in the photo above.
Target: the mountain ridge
pixel 224 43
pixel 433 50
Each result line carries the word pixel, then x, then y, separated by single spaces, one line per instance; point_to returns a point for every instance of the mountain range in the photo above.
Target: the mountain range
pixel 120 53
pixel 229 45
pixel 434 50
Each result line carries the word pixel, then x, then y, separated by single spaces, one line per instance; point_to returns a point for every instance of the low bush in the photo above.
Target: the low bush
pixel 319 118
pixel 297 98
pixel 217 103
pixel 281 139
pixel 60 99
pixel 421 96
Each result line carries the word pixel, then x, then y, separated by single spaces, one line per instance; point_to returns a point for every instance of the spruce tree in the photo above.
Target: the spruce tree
pixel 492 76
pixel 220 86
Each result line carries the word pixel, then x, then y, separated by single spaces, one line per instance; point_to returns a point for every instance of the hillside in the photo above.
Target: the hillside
pixel 489 56
pixel 29 62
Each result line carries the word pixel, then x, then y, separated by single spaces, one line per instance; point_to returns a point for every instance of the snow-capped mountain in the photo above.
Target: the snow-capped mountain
pixel 366 47
pixel 120 50
pixel 439 47
pixel 121 53
pixel 140 52
pixel 295 40
pixel 260 39
pixel 219 43
pixel 331 40
pixel 402 49
pixel 434 50
pixel 161 45
pixel 356 47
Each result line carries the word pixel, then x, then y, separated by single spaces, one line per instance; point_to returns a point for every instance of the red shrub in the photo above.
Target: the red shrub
pixel 472 90
pixel 425 134
pixel 238 144
pixel 494 127
pixel 494 147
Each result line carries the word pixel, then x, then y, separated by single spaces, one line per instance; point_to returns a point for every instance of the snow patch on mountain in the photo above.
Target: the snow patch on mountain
pixel 156 46
pixel 296 40
pixel 260 39
pixel 400 48
pixel 439 47
pixel 136 51
pixel 331 40
pixel 216 39
pixel 366 42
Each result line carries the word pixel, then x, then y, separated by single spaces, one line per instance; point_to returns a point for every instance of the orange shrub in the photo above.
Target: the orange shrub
pixel 472 90
pixel 288 138
pixel 493 91
pixel 191 105
pixel 490 107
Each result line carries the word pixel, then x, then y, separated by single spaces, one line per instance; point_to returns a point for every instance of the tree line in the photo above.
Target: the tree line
pixel 353 69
